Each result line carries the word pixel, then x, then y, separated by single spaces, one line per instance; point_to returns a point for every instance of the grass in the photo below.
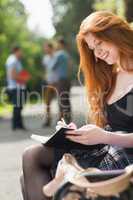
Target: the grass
pixel 5 110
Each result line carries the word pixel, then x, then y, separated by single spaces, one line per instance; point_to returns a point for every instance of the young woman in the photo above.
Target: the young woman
pixel 105 44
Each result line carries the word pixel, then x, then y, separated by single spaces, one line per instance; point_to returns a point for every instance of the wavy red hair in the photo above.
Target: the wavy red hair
pixel 98 75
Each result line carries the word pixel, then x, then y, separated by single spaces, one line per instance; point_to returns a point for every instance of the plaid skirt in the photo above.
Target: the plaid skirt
pixel 106 158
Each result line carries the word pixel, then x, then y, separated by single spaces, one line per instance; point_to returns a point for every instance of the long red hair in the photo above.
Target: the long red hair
pixel 99 77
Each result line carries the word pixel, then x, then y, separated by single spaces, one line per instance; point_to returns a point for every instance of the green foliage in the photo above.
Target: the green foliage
pixel 111 5
pixel 13 30
pixel 129 10
pixel 68 15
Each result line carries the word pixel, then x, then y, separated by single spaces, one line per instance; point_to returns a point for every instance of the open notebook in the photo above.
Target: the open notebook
pixel 58 140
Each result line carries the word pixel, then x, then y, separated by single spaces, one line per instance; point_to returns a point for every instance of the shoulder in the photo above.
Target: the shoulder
pixel 65 54
pixel 61 54
pixel 57 53
pixel 124 75
pixel 45 58
pixel 11 60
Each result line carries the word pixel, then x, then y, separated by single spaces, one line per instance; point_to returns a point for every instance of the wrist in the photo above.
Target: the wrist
pixel 106 137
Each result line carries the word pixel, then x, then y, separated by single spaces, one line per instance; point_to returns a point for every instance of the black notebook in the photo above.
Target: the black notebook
pixel 58 140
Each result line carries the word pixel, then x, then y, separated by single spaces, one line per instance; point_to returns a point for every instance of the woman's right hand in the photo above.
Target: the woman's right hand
pixel 72 125
pixel 61 124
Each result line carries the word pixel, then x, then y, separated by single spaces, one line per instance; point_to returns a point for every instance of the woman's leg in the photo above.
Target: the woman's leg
pixel 37 161
pixel 23 188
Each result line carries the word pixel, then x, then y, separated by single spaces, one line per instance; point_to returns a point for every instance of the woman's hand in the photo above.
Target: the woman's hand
pixel 72 125
pixel 88 135
pixel 61 124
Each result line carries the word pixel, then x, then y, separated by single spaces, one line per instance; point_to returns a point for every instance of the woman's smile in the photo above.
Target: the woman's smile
pixel 104 56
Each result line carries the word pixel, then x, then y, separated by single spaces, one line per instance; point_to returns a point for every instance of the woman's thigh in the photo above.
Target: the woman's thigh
pixel 38 155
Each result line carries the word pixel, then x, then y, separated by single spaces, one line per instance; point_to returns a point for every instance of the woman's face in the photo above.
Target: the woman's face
pixel 102 49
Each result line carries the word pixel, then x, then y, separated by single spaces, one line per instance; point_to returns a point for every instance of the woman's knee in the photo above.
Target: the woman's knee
pixel 37 155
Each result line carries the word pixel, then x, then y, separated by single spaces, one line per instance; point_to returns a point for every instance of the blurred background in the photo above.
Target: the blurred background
pixel 32 23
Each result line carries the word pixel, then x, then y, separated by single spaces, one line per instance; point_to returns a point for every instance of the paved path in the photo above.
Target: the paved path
pixel 12 144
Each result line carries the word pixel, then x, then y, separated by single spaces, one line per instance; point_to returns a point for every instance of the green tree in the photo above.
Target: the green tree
pixel 114 6
pixel 13 30
pixel 129 10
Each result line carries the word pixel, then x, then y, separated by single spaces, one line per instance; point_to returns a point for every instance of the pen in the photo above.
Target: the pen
pixel 62 119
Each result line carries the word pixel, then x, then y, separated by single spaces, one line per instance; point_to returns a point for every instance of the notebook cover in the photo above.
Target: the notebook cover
pixel 58 140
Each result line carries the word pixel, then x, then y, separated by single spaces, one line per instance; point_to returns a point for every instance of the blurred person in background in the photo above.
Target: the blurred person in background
pixel 50 79
pixel 63 70
pixel 16 86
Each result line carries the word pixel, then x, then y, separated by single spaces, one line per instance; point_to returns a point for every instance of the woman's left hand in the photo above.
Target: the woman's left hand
pixel 88 135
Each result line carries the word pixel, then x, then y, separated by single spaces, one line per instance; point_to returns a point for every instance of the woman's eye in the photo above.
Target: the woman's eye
pixel 99 43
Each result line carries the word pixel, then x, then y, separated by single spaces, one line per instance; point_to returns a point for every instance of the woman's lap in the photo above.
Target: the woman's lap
pixel 85 158
pixel 107 158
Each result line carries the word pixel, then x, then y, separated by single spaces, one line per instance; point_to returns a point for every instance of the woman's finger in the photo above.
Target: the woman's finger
pixel 88 127
pixel 75 132
pixel 70 132
pixel 72 125
pixel 60 123
pixel 76 139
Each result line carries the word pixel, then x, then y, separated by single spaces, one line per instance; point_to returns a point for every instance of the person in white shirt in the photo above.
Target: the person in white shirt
pixel 16 89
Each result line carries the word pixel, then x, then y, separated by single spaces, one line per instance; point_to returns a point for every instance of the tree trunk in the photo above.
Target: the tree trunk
pixel 129 10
